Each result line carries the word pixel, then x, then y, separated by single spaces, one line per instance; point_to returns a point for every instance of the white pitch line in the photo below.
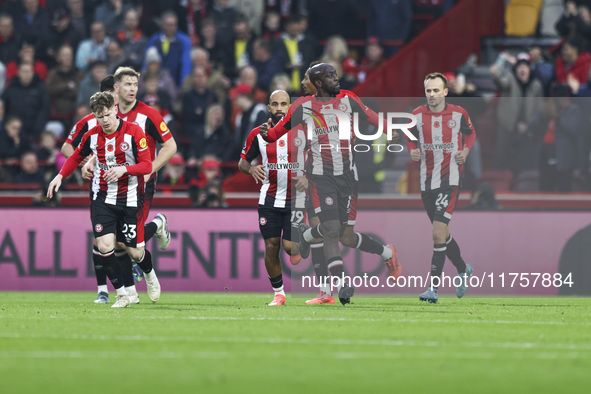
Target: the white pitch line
pixel 305 341
pixel 93 355
pixel 314 319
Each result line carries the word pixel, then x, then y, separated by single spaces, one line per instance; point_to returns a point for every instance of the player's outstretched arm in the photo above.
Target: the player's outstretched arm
pixel 54 185
pixel 265 127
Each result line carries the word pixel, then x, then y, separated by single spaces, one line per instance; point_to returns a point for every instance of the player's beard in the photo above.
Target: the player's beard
pixel 275 118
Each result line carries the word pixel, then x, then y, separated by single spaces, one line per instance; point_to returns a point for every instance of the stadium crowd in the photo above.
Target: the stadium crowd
pixel 208 66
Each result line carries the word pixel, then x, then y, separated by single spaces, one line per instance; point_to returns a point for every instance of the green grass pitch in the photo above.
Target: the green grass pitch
pixel 234 343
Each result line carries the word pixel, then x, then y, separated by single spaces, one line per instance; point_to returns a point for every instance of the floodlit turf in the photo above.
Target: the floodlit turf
pixel 234 343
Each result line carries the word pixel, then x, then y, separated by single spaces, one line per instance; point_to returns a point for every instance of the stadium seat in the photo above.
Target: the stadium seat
pixel 521 17
pixel 527 181
pixel 499 179
pixel 551 13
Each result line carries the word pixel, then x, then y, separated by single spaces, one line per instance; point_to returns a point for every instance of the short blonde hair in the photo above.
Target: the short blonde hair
pixel 125 72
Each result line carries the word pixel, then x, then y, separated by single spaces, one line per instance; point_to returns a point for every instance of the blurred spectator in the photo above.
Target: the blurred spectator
pixel 296 50
pixel 221 56
pixel 26 54
pixel 195 13
pixel 173 172
pixel 174 48
pixel 281 82
pixel 253 11
pixel 115 56
pixel 272 26
pixel 374 58
pixel 575 22
pixel 48 150
pixel 572 61
pixel 249 77
pixel 253 115
pixel 217 82
pixel 165 80
pixel 483 198
pixel 111 13
pixel 29 170
pixel 212 138
pixel 79 19
pixel 156 98
pixel 285 8
pixel 62 32
pixel 63 83
pixel 521 98
pixel 577 89
pixel 223 15
pixel 134 42
pixel 94 48
pixel 265 64
pixel 389 21
pixel 331 17
pixel 242 48
pixel 565 141
pixel 90 83
pixel 542 69
pixel 9 43
pixel 32 23
pixel 27 98
pixel 12 142
pixel 195 103
pixel 336 50
pixel 213 196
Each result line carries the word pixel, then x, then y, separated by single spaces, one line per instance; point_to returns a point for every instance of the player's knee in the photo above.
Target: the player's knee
pixel 440 232
pixel 105 246
pixel 272 245
pixel 136 254
pixel 314 221
pixel 331 229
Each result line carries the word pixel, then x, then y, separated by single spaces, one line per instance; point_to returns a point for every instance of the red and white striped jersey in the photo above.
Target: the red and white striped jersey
pixel 283 160
pixel 150 121
pixel 330 155
pixel 81 127
pixel 441 136
pixel 125 147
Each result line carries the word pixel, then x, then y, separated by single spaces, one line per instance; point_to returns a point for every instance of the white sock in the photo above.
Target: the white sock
pixel 387 253
pixel 308 235
pixel 279 291
pixel 158 222
pixel 131 290
pixel 325 289
pixel 103 288
pixel 121 291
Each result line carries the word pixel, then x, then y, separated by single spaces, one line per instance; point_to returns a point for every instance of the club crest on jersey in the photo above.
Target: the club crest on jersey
pixel 281 143
pixel 343 107
pixel 297 141
pixel 329 201
pixel 110 148
pixel 163 126
pixel 124 146
pixel 436 124
pixel 143 143
pixel 263 221
pixel 451 123
pixel 98 228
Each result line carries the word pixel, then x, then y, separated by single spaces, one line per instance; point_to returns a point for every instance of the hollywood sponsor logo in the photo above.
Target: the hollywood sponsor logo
pixel 448 146
pixel 283 166
pixel 105 167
